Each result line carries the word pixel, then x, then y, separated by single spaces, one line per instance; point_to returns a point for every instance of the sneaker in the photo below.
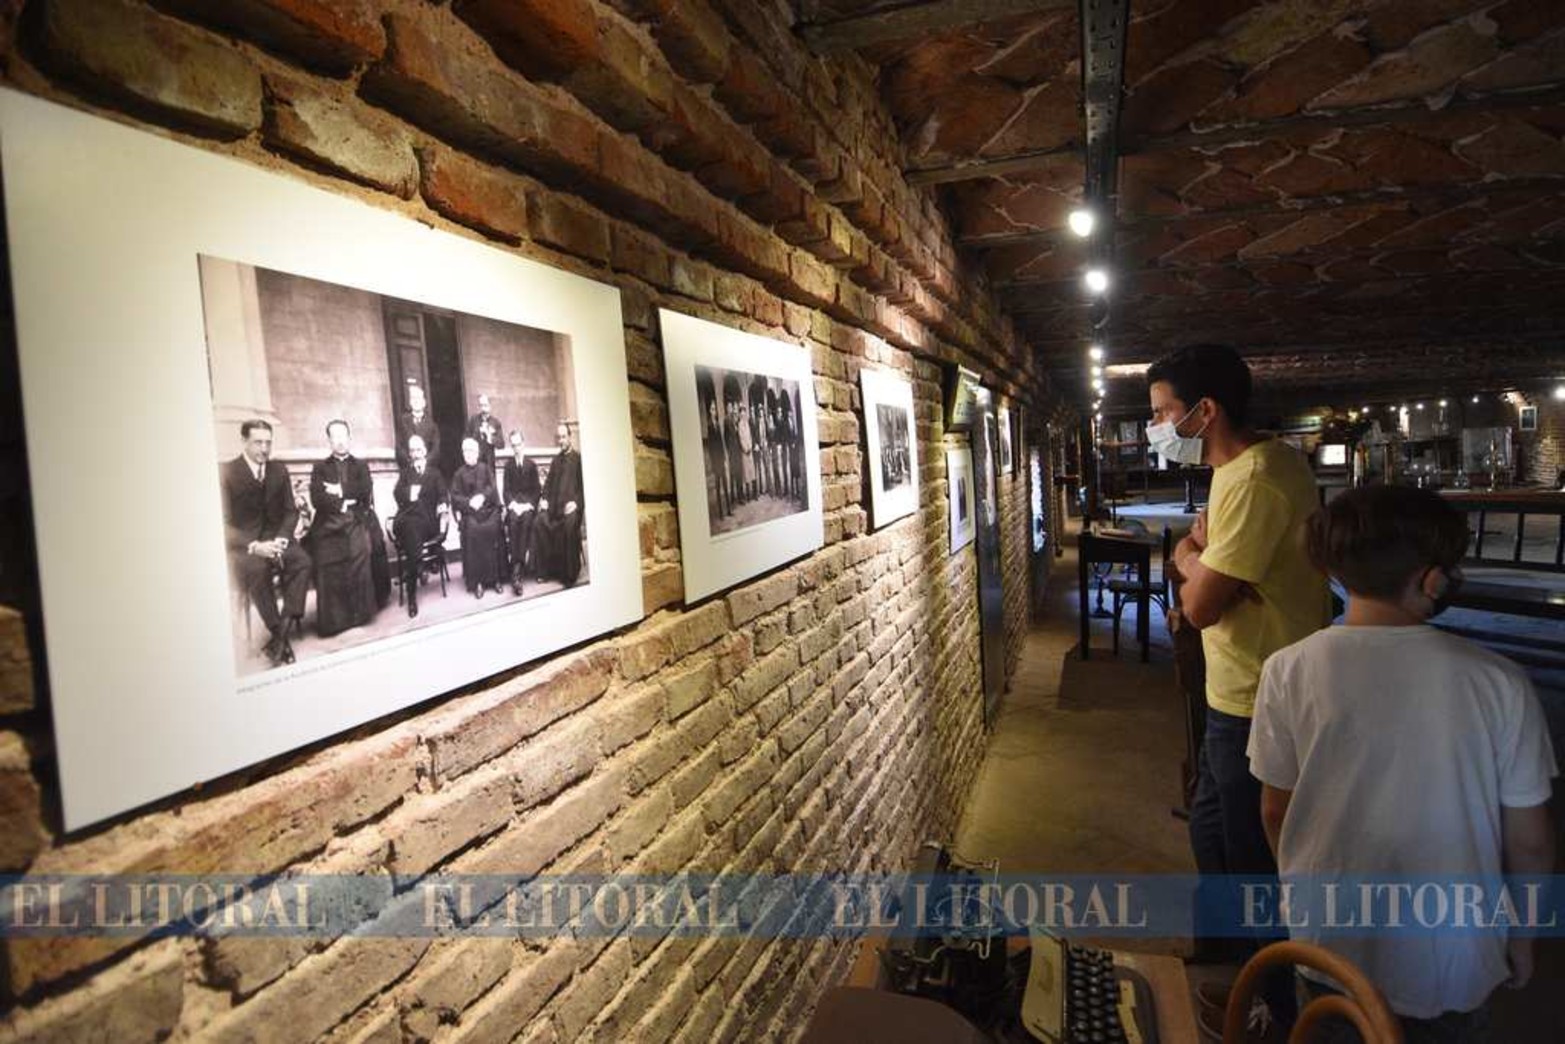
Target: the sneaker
pixel 1259 1028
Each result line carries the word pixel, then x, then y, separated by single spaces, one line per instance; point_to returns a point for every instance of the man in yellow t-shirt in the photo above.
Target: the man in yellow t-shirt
pixel 1248 583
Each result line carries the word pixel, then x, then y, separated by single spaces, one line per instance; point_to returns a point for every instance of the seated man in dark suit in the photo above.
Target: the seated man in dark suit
pixel 258 519
pixel 476 504
pixel 421 500
pixel 341 538
pixel 557 537
pixel 522 489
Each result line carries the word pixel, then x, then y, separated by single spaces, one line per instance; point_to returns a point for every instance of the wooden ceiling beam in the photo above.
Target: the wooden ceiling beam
pixel 1450 195
pixel 911 21
pixel 1415 111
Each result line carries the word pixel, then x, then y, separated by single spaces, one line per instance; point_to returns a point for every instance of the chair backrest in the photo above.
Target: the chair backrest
pixel 1362 1004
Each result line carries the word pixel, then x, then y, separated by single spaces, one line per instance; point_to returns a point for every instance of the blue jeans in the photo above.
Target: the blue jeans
pixel 1225 829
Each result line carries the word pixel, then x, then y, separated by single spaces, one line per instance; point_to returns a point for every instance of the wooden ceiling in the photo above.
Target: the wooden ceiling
pixel 1359 195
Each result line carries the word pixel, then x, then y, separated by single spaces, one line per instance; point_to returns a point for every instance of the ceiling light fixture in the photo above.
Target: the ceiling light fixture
pixel 1082 221
pixel 1559 393
pixel 1095 353
pixel 1097 371
pixel 1420 405
pixel 1442 404
pixel 1475 399
pixel 1096 280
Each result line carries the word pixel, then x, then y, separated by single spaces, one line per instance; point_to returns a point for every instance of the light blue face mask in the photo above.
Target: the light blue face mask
pixel 1167 443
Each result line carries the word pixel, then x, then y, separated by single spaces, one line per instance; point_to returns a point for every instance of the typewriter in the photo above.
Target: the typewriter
pixel 1077 995
pixel 1052 993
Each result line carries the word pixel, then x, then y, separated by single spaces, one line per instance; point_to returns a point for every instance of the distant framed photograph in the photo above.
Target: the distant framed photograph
pixel 960 496
pixel 314 402
pixel 1007 457
pixel 1529 418
pixel 892 445
pixel 746 451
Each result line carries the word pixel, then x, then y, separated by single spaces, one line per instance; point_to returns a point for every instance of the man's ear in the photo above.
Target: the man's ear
pixel 1433 583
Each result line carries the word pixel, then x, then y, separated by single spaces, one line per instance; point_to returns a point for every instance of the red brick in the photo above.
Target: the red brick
pixel 624 86
pixel 564 223
pixel 335 36
pixel 461 99
pixel 744 170
pixel 137 999
pixel 543 39
pixel 490 200
pixel 694 38
pixel 641 255
pixel 1169 99
pixel 811 225
pixel 340 135
pixel 22 831
pixel 748 88
pixel 16 664
pixel 782 201
pixel 816 283
pixel 177 74
pixel 688 132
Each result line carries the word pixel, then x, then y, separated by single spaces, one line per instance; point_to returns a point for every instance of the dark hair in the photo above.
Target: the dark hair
pixel 339 420
pixel 1207 371
pixel 250 425
pixel 1374 539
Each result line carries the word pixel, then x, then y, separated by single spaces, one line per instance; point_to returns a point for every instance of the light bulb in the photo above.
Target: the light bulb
pixel 1096 280
pixel 1082 221
pixel 1097 371
pixel 1095 353
pixel 1368 408
pixel 1420 405
pixel 1559 393
pixel 1442 404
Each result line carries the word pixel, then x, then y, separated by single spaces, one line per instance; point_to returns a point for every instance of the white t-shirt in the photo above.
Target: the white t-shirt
pixel 1400 745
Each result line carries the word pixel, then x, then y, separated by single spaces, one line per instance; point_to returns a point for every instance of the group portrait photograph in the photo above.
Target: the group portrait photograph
pixel 384 465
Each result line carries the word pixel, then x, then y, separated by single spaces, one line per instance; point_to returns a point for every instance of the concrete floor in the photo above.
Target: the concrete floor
pixel 1083 770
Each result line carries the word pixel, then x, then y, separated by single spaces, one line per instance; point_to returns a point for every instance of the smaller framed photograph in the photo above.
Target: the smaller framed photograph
pixel 746 452
pixel 1529 418
pixel 1007 456
pixel 959 477
pixel 892 445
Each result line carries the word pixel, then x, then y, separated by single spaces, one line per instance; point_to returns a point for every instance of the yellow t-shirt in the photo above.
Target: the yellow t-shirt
pixel 1255 533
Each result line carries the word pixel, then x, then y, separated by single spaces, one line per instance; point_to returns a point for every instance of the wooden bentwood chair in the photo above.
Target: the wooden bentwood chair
pixel 1362 1004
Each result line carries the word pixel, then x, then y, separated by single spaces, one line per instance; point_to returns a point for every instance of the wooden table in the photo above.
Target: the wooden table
pixel 1165 975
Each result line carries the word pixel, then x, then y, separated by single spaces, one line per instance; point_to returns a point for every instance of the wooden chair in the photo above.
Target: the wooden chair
pixel 431 558
pixel 1361 1004
pixel 1094 550
pixel 1130 585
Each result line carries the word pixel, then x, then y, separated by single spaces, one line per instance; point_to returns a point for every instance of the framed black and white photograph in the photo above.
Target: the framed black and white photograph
pixel 1528 418
pixel 356 464
pixel 892 445
pixel 746 453
pixel 959 493
pixel 332 541
pixel 1007 458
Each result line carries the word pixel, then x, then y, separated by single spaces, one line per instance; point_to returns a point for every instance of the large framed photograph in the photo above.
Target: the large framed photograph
pixel 960 497
pixel 746 452
pixel 892 443
pixel 351 461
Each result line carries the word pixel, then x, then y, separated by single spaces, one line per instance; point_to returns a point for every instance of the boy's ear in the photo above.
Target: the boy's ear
pixel 1433 583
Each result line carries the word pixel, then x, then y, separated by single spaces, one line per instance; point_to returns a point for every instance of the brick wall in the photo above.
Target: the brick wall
pixel 824 716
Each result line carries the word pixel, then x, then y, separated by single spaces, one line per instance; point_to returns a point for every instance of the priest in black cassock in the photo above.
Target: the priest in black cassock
pixel 342 537
pixel 421 500
pixel 557 537
pixel 476 504
pixel 522 490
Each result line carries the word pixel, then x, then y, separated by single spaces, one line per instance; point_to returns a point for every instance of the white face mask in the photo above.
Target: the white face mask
pixel 1167 443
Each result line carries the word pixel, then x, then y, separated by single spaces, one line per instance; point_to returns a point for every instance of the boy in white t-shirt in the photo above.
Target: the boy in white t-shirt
pixel 1387 747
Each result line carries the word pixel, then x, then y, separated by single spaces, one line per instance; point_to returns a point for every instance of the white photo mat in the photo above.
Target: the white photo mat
pixel 713 563
pixel 959 483
pixel 105 226
pixel 888 388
